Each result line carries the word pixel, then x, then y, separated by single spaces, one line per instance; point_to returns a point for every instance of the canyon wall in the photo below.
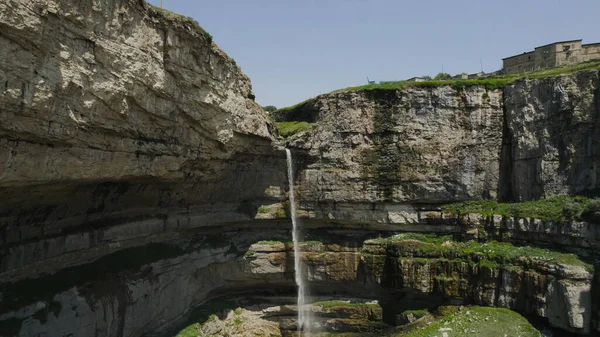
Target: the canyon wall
pixel 116 113
pixel 146 290
pixel 136 173
pixel 422 144
pixel 553 135
pixel 414 145
pixel 122 128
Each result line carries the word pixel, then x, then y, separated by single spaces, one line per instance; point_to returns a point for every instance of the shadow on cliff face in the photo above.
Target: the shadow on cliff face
pixel 551 147
pixel 37 211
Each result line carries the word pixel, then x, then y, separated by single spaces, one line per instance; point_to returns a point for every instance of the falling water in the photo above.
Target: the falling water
pixel 303 319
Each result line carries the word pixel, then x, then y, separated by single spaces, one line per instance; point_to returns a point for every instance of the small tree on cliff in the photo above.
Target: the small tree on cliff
pixel 269 108
pixel 442 76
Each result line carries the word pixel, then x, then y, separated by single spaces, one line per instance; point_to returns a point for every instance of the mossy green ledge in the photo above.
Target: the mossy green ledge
pixel 550 284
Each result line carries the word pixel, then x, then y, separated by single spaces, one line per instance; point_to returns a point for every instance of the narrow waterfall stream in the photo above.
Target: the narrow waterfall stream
pixel 303 318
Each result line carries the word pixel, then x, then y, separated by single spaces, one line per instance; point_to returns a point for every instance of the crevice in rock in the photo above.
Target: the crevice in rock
pixel 505 192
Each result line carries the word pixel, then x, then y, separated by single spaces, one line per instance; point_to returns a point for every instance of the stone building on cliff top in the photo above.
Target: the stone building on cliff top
pixel 552 55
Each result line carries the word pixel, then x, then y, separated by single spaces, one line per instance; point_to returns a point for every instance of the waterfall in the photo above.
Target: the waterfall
pixel 303 319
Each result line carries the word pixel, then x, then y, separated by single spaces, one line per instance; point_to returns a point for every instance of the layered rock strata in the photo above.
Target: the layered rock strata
pixel 136 172
pixel 120 122
pixel 428 144
pixel 148 290
pixel 417 144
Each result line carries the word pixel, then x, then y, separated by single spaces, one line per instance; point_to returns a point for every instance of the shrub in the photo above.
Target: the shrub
pixel 558 208
pixel 270 108
pixel 289 128
pixel 442 76
pixel 208 37
pixel 571 210
pixel 591 212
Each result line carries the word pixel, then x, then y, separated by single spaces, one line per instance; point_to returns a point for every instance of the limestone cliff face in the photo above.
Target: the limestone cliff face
pixel 530 140
pixel 115 113
pixel 133 161
pixel 116 90
pixel 553 136
pixel 557 292
pixel 147 290
pixel 412 145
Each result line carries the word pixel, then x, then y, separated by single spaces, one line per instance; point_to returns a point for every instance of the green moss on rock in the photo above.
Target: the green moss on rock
pixel 559 209
pixel 491 254
pixel 477 321
pixel 287 129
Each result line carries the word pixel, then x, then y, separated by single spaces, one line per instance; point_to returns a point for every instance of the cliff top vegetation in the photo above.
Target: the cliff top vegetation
pixel 559 209
pixel 491 83
pixel 166 15
pixel 490 254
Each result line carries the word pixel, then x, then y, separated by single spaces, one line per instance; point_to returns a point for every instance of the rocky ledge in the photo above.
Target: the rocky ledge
pixel 138 178
pixel 442 143
pixel 116 112
pixel 150 289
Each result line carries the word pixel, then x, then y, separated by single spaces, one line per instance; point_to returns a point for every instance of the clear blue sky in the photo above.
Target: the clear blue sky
pixel 296 49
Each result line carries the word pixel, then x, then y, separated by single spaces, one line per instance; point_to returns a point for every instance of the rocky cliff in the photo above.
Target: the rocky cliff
pixel 138 178
pixel 122 126
pixel 393 156
pixel 147 290
pixel 119 113
pixel 413 145
pixel 553 128
pixel 428 144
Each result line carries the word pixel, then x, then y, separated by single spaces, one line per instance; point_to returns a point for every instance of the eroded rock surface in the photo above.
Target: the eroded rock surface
pixel 415 144
pixel 118 113
pixel 141 291
pixel 532 139
pixel 133 161
pixel 554 132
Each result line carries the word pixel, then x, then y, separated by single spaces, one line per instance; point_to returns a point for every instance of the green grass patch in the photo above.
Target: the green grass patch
pixel 269 242
pixel 294 106
pixel 478 321
pixel 559 209
pixel 287 129
pixel 263 209
pixel 490 83
pixel 491 254
pixel 339 303
pixel 201 315
pixel 488 264
pixel 423 237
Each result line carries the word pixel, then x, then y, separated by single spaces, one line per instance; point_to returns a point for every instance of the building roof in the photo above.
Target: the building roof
pixel 525 53
pixel 546 45
pixel 549 44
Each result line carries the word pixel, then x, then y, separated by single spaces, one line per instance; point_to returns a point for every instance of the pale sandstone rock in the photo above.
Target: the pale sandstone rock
pixel 438 144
